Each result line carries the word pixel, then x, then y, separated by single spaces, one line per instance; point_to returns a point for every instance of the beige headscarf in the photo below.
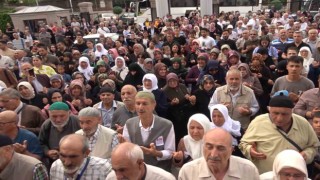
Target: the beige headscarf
pixel 31 89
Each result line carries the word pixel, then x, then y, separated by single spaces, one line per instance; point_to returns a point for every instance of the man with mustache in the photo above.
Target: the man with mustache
pixel 239 99
pixel 101 139
pixel 59 124
pixel 155 135
pixel 75 163
pixel 217 161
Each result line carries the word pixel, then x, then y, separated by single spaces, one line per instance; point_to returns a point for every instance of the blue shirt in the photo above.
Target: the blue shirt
pixel 33 144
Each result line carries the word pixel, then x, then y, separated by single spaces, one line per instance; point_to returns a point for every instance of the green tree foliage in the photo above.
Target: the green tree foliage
pixel 117 10
pixel 5 18
pixel 277 4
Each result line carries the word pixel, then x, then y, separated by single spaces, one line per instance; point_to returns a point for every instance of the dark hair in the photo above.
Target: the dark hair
pixel 41 45
pixel 316 114
pixel 296 59
pixel 292 48
pixel 262 51
pixel 265 38
pixel 2 41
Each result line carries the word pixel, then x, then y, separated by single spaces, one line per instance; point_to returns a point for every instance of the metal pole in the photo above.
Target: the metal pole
pixel 71 6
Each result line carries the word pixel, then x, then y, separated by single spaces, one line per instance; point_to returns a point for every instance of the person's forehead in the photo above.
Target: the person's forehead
pixel 58 112
pixel 142 99
pixel 233 75
pixel 280 109
pixel 88 118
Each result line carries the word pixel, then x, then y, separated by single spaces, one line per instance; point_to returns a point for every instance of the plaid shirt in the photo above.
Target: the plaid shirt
pixel 97 169
pixel 93 139
pixel 40 172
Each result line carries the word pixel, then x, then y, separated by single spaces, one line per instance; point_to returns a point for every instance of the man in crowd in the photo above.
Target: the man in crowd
pixel 47 59
pixel 29 117
pixel 297 42
pixel 155 135
pixel 294 82
pixel 75 163
pixel 217 161
pixel 239 99
pixel 18 166
pixel 280 129
pixel 123 113
pixel 101 139
pixel 5 50
pixel 128 162
pixel 309 103
pixel 25 142
pixel 59 124
pixel 107 106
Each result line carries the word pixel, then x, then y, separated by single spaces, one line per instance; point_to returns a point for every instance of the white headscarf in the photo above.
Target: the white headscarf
pixel 30 88
pixel 229 125
pixel 154 81
pixel 286 159
pixel 306 61
pixel 193 147
pixel 115 67
pixel 88 71
pixel 100 53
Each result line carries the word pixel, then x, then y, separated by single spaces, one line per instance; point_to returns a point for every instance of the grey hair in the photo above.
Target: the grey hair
pixel 233 71
pixel 89 112
pixel 11 93
pixel 82 138
pixel 133 152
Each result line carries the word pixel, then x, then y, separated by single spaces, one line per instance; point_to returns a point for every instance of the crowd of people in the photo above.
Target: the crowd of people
pixel 224 96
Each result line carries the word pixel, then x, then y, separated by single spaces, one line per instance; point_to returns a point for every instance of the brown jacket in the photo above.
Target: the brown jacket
pixel 8 78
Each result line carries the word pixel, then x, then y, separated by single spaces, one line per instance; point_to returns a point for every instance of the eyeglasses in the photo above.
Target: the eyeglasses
pixel 4 123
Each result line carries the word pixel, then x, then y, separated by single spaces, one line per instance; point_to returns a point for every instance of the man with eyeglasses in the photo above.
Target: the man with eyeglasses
pixel 25 142
pixel 75 163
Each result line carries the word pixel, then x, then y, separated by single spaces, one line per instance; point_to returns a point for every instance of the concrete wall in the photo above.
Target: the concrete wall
pixel 50 17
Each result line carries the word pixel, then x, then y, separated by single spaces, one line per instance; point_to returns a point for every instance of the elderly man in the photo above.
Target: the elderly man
pixel 217 161
pixel 155 135
pixel 240 100
pixel 29 117
pixel 309 103
pixel 101 139
pixel 280 129
pixel 18 166
pixel 75 163
pixel 127 162
pixel 314 42
pixel 26 142
pixel 59 124
pixel 108 105
pixel 123 113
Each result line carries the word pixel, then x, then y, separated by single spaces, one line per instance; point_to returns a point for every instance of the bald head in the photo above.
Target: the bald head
pixel 127 151
pixel 219 134
pixel 129 87
pixel 8 116
pixel 74 141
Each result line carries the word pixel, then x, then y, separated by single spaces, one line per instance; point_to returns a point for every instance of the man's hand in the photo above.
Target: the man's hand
pixel 303 154
pixel 255 154
pixel 53 154
pixel 119 128
pixel 177 155
pixel 151 151
pixel 294 97
pixel 121 139
pixel 20 148
pixel 244 110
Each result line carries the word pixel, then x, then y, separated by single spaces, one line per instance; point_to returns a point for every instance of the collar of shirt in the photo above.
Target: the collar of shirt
pixel 18 109
pixel 150 127
pixel 101 106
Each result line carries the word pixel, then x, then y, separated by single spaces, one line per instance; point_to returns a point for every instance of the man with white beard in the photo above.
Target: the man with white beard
pixel 59 124
pixel 101 139
pixel 239 99
pixel 75 163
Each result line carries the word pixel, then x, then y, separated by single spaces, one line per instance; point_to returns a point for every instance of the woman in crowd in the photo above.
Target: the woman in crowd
pixel 307 59
pixel 220 118
pixel 57 81
pixel 135 76
pixel 100 50
pixel 29 96
pixel 265 43
pixel 85 68
pixel 150 84
pixel 249 80
pixel 39 68
pixel 120 71
pixel 54 95
pixel 204 94
pixel 178 69
pixel 259 70
pixel 180 104
pixel 76 94
pixel 160 70
pixel 214 69
pixel 190 146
